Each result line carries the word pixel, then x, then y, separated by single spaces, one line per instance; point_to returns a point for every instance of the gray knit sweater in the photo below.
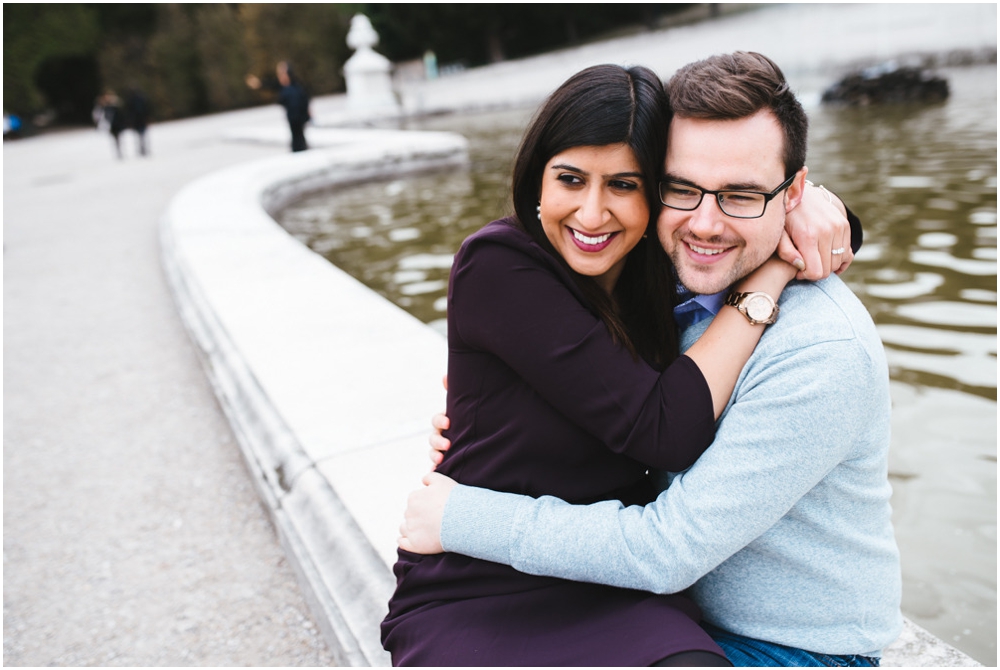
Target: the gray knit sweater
pixel 782 528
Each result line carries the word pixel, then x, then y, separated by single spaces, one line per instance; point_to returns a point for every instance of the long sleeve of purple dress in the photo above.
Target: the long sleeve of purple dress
pixel 512 302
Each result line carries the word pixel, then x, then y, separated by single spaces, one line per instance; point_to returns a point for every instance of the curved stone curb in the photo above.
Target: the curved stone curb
pixel 310 519
pixel 267 314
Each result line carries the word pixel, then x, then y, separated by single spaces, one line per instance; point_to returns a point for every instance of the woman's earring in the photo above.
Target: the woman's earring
pixel 539 210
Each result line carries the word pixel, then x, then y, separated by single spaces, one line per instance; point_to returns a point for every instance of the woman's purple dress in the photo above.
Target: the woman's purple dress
pixel 542 402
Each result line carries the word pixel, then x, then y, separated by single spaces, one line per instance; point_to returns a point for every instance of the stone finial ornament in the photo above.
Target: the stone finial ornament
pixel 367 73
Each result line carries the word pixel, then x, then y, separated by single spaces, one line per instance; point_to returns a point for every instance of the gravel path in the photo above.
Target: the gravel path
pixel 132 532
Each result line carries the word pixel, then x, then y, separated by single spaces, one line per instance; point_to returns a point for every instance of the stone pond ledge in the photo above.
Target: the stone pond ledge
pixel 329 387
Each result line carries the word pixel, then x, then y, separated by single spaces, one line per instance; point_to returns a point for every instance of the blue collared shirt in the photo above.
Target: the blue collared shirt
pixel 694 308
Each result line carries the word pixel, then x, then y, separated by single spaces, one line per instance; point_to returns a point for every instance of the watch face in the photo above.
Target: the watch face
pixel 759 308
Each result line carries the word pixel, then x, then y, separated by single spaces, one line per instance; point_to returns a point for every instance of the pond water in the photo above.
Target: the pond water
pixel 923 181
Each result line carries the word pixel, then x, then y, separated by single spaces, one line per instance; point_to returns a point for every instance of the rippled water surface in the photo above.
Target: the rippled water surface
pixel 399 236
pixel 923 181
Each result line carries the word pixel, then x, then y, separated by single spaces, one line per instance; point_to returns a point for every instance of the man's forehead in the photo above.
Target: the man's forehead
pixel 738 153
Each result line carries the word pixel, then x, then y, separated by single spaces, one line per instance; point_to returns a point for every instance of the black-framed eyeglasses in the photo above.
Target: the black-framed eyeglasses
pixel 737 204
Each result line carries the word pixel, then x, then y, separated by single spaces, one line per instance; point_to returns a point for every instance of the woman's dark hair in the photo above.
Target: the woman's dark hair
pixel 600 106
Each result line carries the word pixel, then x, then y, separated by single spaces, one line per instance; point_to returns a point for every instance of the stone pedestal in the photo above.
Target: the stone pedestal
pixel 368 73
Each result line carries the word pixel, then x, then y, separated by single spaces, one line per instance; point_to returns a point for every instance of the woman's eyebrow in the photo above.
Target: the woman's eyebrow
pixel 565 166
pixel 619 175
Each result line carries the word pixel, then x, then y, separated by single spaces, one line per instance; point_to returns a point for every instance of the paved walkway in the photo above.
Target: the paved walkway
pixel 132 532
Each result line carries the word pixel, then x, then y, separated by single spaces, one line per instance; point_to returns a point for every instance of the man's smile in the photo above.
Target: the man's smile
pixel 705 250
pixel 699 252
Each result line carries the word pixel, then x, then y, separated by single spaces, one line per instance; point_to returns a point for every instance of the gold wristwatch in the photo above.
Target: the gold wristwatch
pixel 757 307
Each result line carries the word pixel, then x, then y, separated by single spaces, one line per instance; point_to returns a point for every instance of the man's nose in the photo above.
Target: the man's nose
pixel 707 219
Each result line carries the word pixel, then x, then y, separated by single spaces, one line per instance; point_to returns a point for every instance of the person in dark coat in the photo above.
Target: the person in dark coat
pixel 293 96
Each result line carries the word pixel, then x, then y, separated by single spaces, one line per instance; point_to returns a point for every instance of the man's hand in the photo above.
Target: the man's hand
pixel 439 443
pixel 421 529
pixel 813 231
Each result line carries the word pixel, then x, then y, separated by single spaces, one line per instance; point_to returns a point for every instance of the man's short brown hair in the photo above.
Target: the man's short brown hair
pixel 737 85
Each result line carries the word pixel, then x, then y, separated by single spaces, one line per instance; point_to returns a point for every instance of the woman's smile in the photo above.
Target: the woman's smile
pixel 592 244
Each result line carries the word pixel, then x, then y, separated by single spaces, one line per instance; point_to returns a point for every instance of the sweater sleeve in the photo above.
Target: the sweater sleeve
pixel 508 302
pixel 783 434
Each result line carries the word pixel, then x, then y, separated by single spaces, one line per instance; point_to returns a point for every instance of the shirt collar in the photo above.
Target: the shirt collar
pixel 712 302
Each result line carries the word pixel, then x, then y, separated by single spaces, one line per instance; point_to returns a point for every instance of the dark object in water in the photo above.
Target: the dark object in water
pixel 887 83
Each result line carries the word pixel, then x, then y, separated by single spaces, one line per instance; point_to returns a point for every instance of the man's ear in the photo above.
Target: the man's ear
pixel 793 196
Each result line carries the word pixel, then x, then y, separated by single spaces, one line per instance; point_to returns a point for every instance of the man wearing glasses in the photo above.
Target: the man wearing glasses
pixel 782 529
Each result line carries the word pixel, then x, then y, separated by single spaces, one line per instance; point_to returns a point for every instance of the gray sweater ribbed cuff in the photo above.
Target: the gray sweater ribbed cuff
pixel 478 523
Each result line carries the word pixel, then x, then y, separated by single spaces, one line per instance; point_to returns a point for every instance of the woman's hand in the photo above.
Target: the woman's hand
pixel 421 529
pixel 814 230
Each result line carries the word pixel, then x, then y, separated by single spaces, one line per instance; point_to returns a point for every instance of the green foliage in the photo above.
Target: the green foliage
pixel 127 18
pixel 35 33
pixel 475 34
pixel 311 37
pixel 188 59
pixel 174 65
pixel 164 64
pixel 223 56
pixel 194 58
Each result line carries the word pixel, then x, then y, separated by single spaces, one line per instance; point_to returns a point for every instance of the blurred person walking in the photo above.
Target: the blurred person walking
pixel 137 116
pixel 109 116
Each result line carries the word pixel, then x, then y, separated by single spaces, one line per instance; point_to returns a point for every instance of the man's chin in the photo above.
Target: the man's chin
pixel 704 283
